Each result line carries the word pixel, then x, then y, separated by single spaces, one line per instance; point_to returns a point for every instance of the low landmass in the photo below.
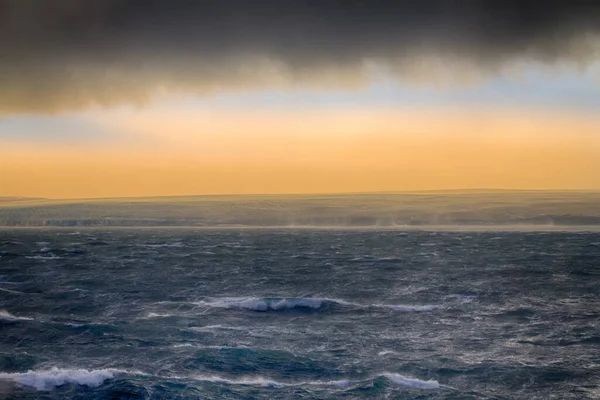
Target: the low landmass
pixel 411 209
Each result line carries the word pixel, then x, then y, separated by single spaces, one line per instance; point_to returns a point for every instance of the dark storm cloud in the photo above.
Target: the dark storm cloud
pixel 68 54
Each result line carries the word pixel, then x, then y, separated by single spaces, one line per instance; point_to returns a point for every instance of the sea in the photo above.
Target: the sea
pixel 299 314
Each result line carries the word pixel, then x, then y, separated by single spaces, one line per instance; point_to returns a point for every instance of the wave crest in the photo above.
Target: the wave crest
pixel 313 303
pixel 55 377
pixel 411 382
pixel 249 381
pixel 6 316
pixel 394 378
pixel 407 308
pixel 265 304
pixel 46 380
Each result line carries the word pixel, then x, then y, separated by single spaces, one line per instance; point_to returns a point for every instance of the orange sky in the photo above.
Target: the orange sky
pixel 150 98
pixel 166 152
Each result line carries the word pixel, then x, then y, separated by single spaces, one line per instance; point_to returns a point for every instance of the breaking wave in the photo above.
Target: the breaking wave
pixel 311 303
pixel 387 352
pixel 209 328
pixel 249 381
pixel 393 378
pixel 411 382
pixel 55 377
pixel 264 304
pixel 6 316
pixel 407 308
pixel 158 315
pixel 50 257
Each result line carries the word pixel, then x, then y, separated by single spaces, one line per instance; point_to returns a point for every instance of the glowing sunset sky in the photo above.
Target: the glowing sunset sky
pixel 140 98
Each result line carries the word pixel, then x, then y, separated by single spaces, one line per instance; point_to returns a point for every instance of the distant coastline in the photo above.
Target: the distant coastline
pixel 438 210
pixel 406 228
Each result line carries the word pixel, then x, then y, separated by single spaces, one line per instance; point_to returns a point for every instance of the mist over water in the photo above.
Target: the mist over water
pixel 286 314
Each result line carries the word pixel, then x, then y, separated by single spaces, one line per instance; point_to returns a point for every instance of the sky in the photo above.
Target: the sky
pixel 144 98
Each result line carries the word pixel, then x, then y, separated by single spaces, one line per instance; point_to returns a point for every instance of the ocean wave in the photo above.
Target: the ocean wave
pixel 389 259
pixel 248 381
pixel 95 326
pixel 206 347
pixel 312 303
pixel 394 378
pixel 55 377
pixel 411 382
pixel 264 304
pixel 208 328
pixel 462 298
pixel 407 308
pixel 10 291
pixel 51 257
pixel 6 316
pixel 180 345
pixel 161 245
pixel 387 352
pixel 158 315
pixel 45 380
pixel 267 382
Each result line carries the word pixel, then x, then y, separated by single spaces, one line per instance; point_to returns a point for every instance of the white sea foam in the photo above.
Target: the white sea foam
pixel 157 315
pixel 266 382
pixel 216 327
pixel 411 382
pixel 49 379
pixel 389 259
pixel 263 304
pixel 43 257
pixel 6 316
pixel 407 308
pixel 200 346
pixel 250 381
pixel 386 352
pixel 343 383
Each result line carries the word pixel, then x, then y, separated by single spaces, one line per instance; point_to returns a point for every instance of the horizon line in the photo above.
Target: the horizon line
pixel 8 198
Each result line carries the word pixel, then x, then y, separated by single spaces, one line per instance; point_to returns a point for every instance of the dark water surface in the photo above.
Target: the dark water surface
pixel 284 314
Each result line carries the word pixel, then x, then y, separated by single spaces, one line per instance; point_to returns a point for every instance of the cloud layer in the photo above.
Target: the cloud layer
pixel 68 54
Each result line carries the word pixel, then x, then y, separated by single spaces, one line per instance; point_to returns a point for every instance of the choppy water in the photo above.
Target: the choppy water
pixel 128 314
